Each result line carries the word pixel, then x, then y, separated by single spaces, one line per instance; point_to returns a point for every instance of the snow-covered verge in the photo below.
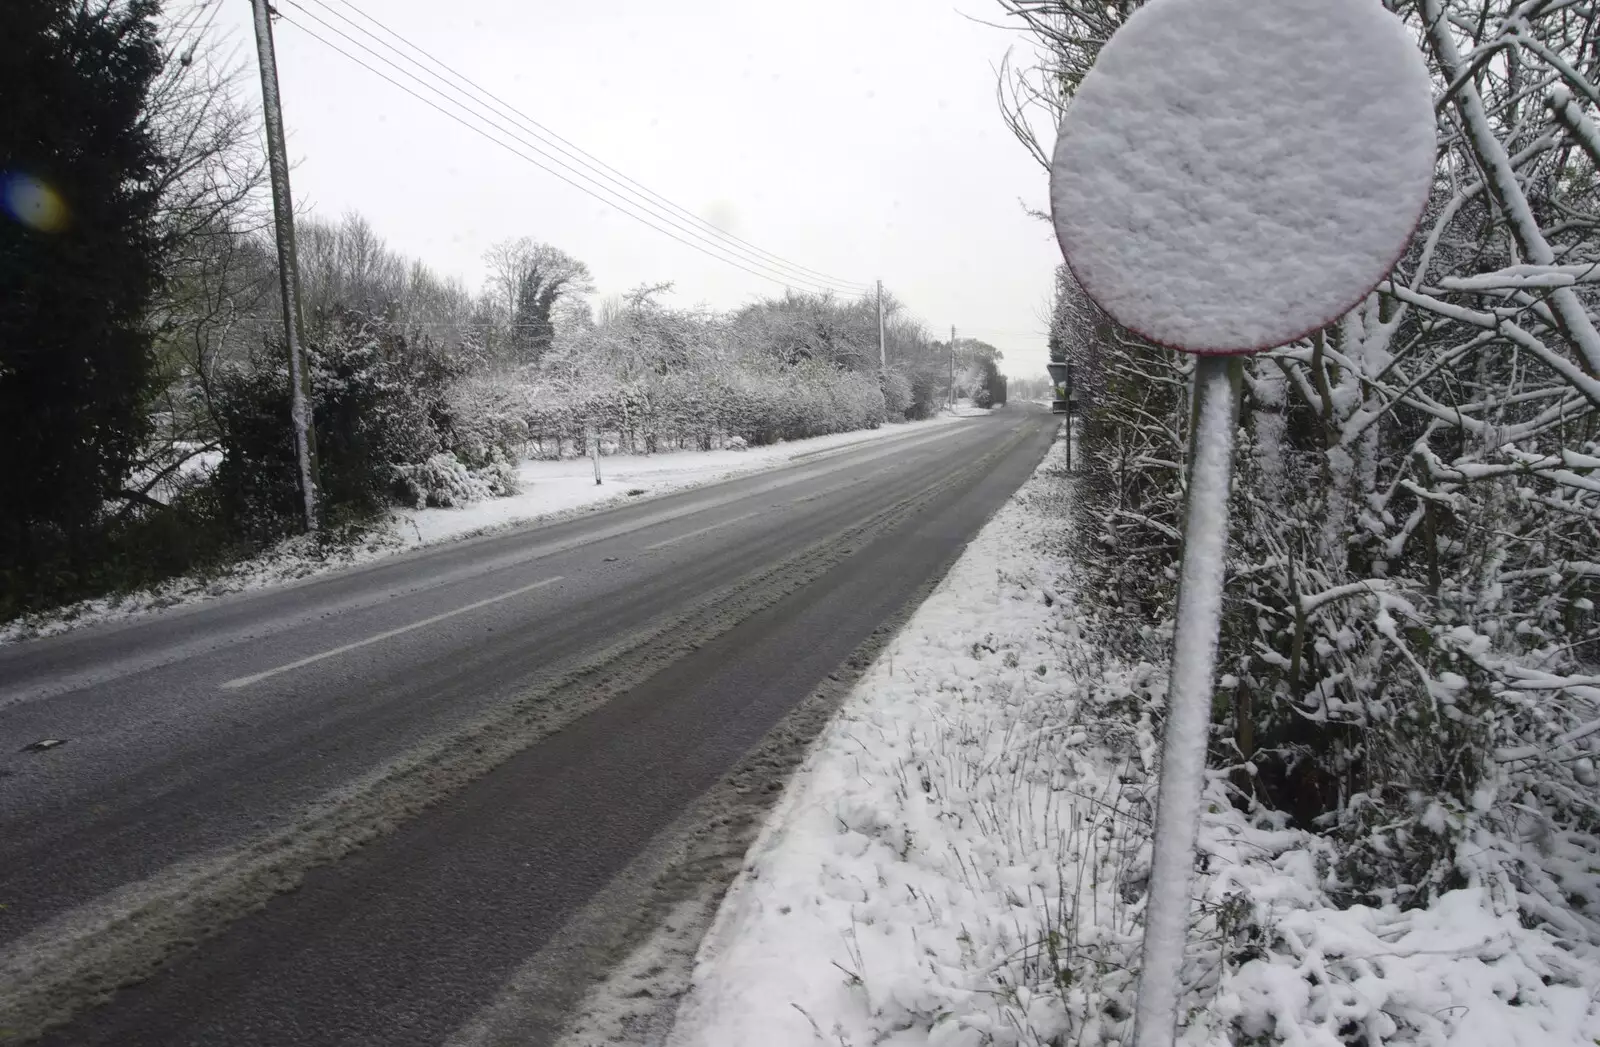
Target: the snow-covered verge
pixel 545 489
pixel 962 861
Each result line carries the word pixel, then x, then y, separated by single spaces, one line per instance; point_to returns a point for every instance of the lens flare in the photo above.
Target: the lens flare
pixel 33 202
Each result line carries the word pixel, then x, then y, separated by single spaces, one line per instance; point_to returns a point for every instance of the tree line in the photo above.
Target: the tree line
pixel 143 376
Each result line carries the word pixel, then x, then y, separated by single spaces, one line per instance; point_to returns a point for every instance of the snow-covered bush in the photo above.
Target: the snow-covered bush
pixel 897 398
pixel 483 420
pixel 1409 646
pixel 700 407
pixel 377 399
pixel 445 481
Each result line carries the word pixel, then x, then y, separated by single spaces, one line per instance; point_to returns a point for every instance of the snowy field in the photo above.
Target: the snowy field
pixel 962 861
pixel 548 489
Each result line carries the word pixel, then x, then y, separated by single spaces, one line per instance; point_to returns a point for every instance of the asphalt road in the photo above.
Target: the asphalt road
pixel 345 811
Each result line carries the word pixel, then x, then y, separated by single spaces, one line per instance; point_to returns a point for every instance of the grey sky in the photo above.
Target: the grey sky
pixel 855 137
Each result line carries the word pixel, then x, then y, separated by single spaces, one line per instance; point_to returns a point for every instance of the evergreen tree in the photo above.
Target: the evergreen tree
pixel 532 331
pixel 77 270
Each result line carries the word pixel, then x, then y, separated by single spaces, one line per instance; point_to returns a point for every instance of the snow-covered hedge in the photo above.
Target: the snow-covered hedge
pixel 1408 661
pixel 898 399
pixel 702 408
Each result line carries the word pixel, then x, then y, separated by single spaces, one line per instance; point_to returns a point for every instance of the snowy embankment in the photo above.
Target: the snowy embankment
pixel 962 861
pixel 546 489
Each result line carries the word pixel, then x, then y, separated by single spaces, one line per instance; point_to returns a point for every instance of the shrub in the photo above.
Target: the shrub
pixel 445 481
pixel 378 402
pixel 897 398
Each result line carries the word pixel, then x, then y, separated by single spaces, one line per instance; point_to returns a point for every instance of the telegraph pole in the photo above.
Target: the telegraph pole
pixel 883 356
pixel 952 365
pixel 305 439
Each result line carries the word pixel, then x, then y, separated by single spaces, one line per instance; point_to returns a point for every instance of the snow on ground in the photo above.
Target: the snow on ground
pixel 198 463
pixel 965 409
pixel 962 861
pixel 548 489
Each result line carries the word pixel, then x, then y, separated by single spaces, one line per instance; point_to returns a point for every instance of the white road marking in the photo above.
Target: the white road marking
pixel 246 681
pixel 858 481
pixel 695 534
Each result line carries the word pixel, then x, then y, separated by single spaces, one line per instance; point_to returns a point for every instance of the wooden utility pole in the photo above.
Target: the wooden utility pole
pixel 305 439
pixel 883 356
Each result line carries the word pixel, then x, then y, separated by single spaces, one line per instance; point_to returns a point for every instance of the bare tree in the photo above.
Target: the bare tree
pixel 1070 34
pixel 210 207
pixel 527 279
pixel 349 266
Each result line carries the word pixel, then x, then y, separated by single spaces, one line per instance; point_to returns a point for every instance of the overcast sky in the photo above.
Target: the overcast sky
pixel 858 138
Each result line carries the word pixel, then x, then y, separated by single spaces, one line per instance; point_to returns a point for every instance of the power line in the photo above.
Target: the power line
pixel 572 150
pixel 707 247
pixel 771 274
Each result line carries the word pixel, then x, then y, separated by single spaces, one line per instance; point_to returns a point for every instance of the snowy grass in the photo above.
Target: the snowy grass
pixel 547 490
pixel 962 861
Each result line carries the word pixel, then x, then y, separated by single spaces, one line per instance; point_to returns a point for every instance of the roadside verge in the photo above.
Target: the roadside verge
pixel 962 859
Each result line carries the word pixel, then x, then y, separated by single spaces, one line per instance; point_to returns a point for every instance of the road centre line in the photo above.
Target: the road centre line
pixel 695 534
pixel 246 681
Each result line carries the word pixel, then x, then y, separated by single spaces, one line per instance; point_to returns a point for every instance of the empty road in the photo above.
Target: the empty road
pixel 347 811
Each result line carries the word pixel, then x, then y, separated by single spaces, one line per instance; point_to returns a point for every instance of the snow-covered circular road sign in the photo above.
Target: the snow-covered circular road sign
pixel 1234 174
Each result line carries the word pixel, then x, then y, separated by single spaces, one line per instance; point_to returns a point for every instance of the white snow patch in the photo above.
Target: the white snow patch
pixel 197 464
pixel 1232 174
pixel 965 409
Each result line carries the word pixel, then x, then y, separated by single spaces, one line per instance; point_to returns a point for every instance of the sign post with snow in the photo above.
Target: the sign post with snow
pixel 1232 175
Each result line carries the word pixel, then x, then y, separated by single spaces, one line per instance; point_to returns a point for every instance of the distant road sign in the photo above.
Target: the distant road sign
pixel 1061 386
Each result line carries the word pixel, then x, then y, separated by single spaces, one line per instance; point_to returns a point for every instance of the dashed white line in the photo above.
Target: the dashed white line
pixel 695 534
pixel 246 681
